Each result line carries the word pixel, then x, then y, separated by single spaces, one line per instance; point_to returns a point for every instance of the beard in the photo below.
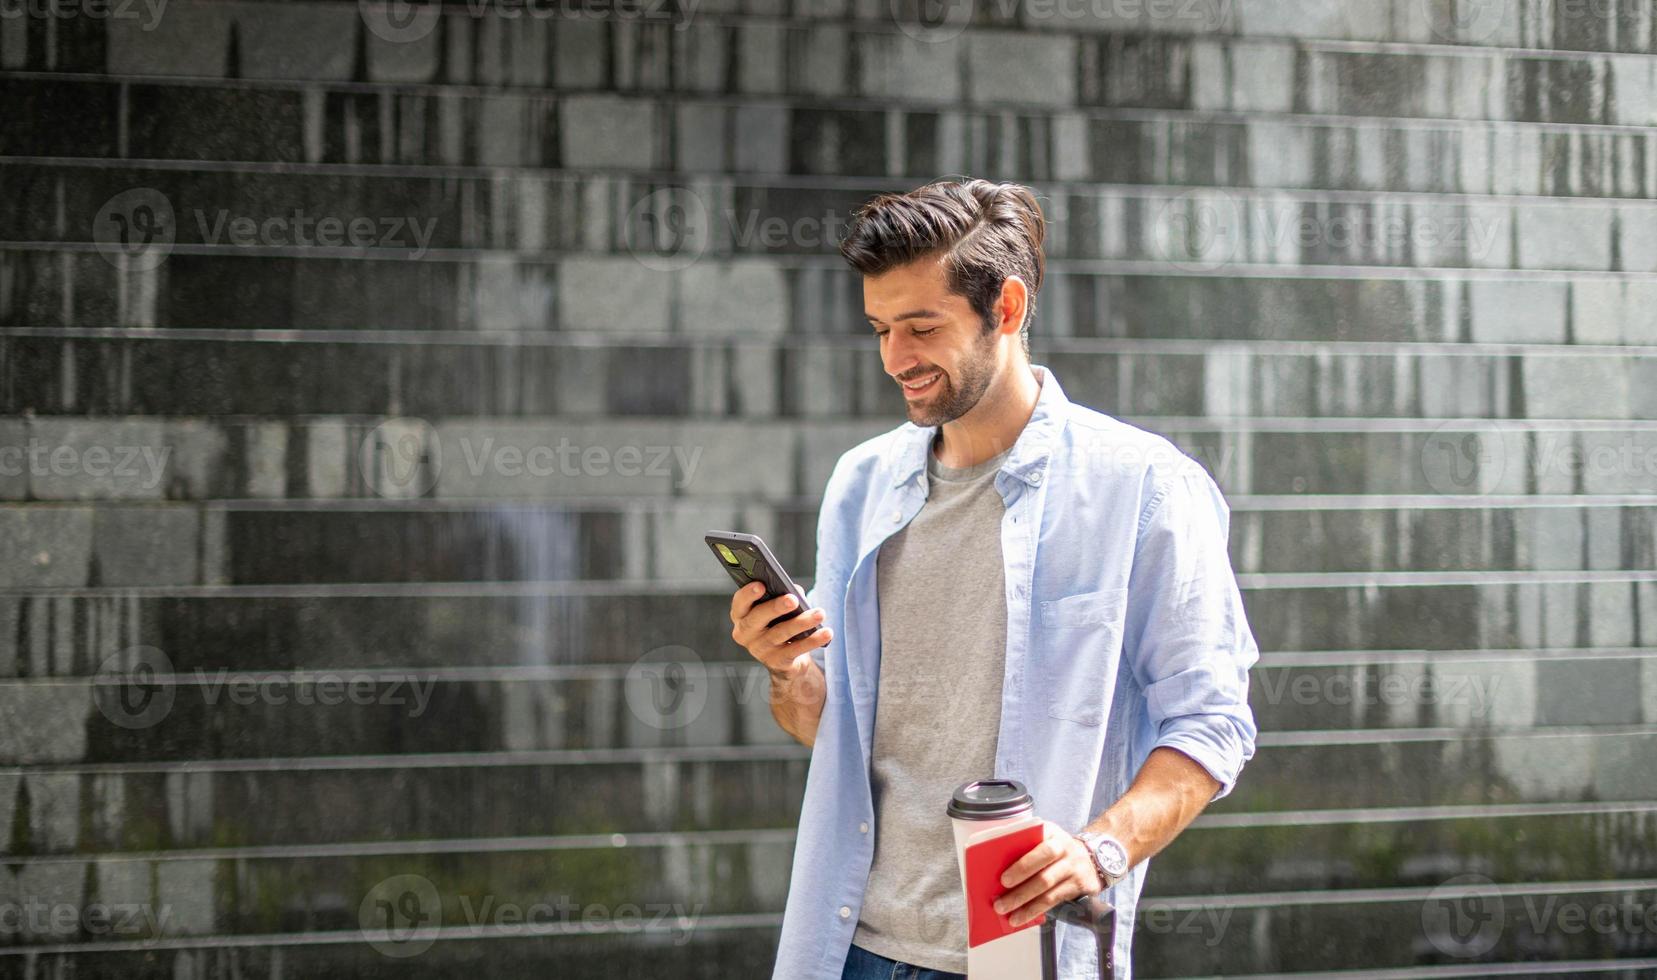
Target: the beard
pixel 954 396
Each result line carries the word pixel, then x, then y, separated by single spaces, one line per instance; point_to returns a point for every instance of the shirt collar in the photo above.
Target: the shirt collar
pixel 1030 450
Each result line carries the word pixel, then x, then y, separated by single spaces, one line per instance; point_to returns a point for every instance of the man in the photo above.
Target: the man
pixel 1024 588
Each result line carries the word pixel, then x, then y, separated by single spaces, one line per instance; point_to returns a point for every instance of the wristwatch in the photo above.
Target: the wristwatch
pixel 1110 858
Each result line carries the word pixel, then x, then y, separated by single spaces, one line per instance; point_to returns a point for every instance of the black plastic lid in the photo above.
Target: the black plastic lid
pixel 989 799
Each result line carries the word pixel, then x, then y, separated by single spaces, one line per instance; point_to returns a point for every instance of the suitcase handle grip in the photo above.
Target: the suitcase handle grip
pixel 1092 913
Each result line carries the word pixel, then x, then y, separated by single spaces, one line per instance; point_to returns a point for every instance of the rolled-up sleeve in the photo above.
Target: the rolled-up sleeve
pixel 1187 636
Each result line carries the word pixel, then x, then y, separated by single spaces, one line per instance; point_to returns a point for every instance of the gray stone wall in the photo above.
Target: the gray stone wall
pixel 368 373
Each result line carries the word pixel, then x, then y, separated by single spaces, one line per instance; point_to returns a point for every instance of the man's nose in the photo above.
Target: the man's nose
pixel 899 356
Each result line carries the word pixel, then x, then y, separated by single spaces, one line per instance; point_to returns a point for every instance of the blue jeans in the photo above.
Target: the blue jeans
pixel 864 965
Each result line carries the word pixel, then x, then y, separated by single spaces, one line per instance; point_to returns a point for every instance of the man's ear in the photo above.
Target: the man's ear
pixel 1011 305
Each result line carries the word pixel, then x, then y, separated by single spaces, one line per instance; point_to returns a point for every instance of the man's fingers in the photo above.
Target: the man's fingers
pixel 774 646
pixel 1063 892
pixel 743 601
pixel 754 631
pixel 750 615
pixel 1032 887
pixel 1036 858
pixel 780 634
pixel 782 659
pixel 754 620
pixel 784 656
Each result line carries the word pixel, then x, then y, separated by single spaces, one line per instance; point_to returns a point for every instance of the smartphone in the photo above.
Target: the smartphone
pixel 746 559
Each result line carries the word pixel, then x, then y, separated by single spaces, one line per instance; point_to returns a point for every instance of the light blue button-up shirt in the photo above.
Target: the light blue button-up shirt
pixel 1125 631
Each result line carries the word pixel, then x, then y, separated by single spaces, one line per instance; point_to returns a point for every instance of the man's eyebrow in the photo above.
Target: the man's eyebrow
pixel 910 315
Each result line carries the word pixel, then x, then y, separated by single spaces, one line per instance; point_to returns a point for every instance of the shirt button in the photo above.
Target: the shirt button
pixel 862 828
pixel 897 515
pixel 1035 477
pixel 845 912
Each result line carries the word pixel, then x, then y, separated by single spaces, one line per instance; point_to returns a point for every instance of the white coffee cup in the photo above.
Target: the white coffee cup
pixel 986 804
pixel 979 810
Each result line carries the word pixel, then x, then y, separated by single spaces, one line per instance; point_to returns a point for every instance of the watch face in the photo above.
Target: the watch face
pixel 1111 857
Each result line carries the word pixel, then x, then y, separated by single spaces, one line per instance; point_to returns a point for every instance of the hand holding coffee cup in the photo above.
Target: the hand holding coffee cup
pixel 1054 871
pixel 1041 868
pixel 1057 870
pixel 992 820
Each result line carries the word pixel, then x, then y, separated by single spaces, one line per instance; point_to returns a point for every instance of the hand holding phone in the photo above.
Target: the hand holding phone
pixel 765 603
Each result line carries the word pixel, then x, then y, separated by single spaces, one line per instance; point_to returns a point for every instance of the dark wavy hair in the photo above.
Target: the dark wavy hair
pixel 984 231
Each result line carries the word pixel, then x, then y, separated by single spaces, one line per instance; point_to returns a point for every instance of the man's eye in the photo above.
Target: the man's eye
pixel 927 332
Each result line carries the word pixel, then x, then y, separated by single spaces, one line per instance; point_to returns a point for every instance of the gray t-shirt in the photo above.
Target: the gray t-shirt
pixel 943 647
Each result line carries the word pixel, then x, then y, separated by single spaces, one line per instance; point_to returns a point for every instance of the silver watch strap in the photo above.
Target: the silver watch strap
pixel 1088 838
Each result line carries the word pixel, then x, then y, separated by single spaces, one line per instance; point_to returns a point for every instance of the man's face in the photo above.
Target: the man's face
pixel 931 341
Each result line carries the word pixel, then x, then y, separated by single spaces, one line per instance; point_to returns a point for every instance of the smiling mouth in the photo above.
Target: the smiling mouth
pixel 922 385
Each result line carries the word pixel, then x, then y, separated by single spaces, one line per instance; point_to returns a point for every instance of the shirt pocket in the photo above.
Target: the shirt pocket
pixel 1081 643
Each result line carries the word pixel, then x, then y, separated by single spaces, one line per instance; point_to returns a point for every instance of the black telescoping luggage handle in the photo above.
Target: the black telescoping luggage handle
pixel 1092 913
